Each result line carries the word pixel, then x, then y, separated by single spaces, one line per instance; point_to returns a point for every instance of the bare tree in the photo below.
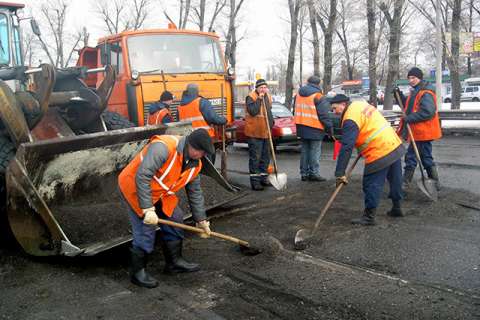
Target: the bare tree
pixel 454 69
pixel 29 48
pixel 327 17
pixel 294 9
pixel 373 43
pixel 120 15
pixel 54 13
pixel 302 30
pixel 395 23
pixel 315 41
pixel 200 13
pixel 231 37
pixel 184 13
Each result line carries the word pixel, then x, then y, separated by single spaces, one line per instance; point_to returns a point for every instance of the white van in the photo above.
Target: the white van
pixel 469 93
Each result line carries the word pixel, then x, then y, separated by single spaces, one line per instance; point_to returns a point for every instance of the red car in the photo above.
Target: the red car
pixel 284 130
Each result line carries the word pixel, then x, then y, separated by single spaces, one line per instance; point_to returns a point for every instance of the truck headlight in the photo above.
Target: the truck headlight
pixel 230 71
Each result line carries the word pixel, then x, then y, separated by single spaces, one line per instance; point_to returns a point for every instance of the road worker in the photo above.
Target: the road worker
pixel 257 134
pixel 159 112
pixel 422 115
pixel 148 184
pixel 364 128
pixel 312 121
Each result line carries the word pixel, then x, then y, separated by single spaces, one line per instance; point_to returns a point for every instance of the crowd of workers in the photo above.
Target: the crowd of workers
pixel 169 163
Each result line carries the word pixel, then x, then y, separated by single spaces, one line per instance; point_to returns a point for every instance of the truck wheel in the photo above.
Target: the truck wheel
pixel 115 121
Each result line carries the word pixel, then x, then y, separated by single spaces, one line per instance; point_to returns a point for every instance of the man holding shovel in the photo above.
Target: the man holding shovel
pixel 364 128
pixel 421 113
pixel 256 130
pixel 148 185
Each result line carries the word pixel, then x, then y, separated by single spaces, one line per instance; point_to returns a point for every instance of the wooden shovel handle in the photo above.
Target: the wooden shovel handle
pixel 201 231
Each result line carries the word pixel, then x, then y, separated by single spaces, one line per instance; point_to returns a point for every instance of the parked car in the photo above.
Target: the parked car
pixel 469 93
pixel 284 131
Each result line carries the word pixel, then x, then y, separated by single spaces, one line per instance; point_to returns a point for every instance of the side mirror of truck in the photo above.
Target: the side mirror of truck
pixel 35 27
pixel 105 54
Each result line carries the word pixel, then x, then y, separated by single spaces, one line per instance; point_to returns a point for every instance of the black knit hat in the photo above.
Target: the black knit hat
pixel 260 82
pixel 416 72
pixel 200 139
pixel 339 98
pixel 166 96
pixel 314 80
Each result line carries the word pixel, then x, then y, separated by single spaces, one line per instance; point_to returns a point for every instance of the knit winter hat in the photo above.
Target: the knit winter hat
pixel 416 72
pixel 260 82
pixel 166 96
pixel 339 98
pixel 314 80
pixel 200 139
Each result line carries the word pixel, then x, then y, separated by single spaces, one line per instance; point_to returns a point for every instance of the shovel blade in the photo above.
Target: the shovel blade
pixel 302 238
pixel 429 188
pixel 278 181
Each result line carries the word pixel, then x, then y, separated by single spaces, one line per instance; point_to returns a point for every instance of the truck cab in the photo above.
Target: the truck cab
pixel 148 62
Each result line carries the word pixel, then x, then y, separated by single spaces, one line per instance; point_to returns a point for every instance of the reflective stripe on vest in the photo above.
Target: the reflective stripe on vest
pixel 376 138
pixel 306 111
pixel 191 112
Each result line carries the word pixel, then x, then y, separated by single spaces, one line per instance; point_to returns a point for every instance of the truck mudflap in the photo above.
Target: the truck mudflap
pixel 62 194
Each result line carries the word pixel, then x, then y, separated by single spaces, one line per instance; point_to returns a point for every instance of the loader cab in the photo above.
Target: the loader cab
pixel 10 41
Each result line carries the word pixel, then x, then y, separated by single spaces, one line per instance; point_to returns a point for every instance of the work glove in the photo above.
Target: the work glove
pixel 205 225
pixel 150 216
pixel 341 180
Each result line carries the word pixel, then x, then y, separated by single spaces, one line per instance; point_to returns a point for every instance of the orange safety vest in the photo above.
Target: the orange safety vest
pixel 306 112
pixel 425 130
pixel 255 126
pixel 191 112
pixel 165 183
pixel 157 117
pixel 376 138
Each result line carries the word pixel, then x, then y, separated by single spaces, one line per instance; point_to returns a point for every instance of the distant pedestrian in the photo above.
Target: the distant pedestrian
pixel 160 111
pixel 312 120
pixel 422 115
pixel 257 133
pixel 364 128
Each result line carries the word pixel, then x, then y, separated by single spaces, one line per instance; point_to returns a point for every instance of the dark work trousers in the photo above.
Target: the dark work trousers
pixel 259 158
pixel 144 234
pixel 425 151
pixel 374 182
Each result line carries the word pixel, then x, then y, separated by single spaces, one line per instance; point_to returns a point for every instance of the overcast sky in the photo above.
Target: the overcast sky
pixel 263 21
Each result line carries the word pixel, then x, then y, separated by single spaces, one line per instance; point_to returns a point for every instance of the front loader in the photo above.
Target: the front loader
pixel 59 162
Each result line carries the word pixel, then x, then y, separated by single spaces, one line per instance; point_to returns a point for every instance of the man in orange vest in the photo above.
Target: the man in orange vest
pixel 149 184
pixel 312 121
pixel 256 131
pixel 364 128
pixel 422 115
pixel 159 112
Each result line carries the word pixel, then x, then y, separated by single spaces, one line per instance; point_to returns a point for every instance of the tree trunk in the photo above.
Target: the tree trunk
pixel 315 41
pixel 372 52
pixel 395 23
pixel 454 69
pixel 328 31
pixel 294 7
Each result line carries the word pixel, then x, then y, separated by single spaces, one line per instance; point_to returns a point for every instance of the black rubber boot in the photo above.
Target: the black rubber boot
pixel 138 274
pixel 316 178
pixel 264 182
pixel 433 174
pixel 396 210
pixel 174 261
pixel 368 218
pixel 256 184
pixel 408 177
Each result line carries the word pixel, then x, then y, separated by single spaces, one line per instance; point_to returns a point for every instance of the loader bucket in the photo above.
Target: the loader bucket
pixel 62 194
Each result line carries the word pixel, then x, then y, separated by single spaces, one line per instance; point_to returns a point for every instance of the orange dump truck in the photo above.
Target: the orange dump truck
pixel 151 61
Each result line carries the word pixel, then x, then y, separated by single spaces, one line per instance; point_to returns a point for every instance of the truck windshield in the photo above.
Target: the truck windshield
pixel 174 53
pixel 4 48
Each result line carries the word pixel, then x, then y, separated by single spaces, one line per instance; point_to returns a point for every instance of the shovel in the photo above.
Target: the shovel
pixel 245 247
pixel 426 185
pixel 278 180
pixel 304 235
